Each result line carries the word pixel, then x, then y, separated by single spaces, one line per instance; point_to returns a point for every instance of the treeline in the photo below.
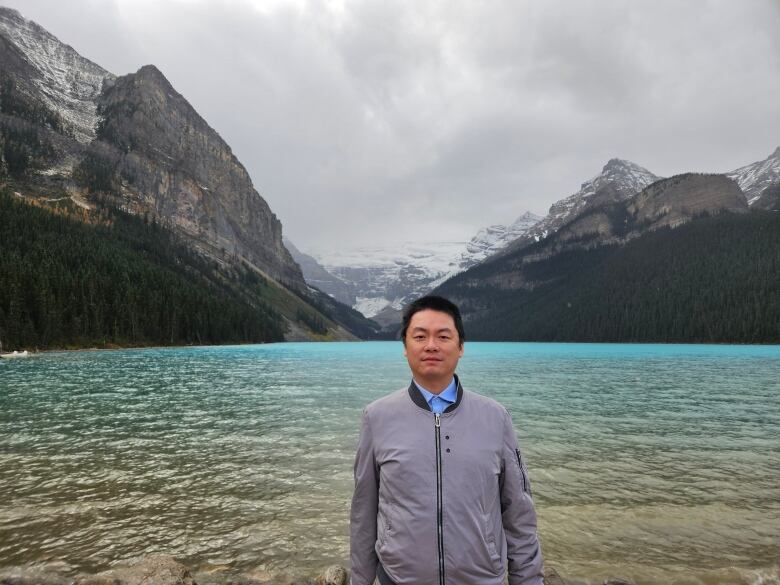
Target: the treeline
pixel 124 281
pixel 713 280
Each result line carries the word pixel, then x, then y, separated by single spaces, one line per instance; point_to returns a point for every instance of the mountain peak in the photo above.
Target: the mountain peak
pixel 776 153
pixel 11 12
pixel 617 163
pixel 153 74
pixel 526 217
pixel 621 165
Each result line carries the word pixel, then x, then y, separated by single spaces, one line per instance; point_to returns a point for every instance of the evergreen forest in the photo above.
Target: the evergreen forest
pixel 111 278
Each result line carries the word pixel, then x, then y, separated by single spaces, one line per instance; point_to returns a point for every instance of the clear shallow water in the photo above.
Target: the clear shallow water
pixel 656 463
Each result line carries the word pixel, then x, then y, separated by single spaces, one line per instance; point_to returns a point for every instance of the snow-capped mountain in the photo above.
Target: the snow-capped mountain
pixel 68 83
pixel 754 178
pixel 392 275
pixel 385 278
pixel 619 180
pixel 494 238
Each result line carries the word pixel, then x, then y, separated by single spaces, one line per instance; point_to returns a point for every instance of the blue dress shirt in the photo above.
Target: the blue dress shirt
pixel 439 402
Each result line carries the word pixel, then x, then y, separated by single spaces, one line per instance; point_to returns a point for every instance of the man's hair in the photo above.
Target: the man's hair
pixel 433 303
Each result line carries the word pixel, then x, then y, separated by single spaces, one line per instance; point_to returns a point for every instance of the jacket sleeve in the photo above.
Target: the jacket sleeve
pixel 518 515
pixel 363 513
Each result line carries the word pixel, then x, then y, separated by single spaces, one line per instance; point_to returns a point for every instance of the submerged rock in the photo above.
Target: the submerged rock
pixel 333 575
pixel 551 577
pixel 31 576
pixel 154 570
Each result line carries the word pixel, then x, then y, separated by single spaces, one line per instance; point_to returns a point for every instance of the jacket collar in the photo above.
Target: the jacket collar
pixel 418 399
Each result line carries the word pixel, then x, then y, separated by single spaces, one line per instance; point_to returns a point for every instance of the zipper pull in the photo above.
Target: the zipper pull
pixel 438 422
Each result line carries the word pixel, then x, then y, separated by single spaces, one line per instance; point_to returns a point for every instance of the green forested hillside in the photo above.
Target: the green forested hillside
pixel 119 281
pixel 715 279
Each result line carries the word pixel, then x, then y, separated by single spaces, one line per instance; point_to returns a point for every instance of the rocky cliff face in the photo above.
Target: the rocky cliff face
pixel 175 167
pixel 78 127
pixel 680 198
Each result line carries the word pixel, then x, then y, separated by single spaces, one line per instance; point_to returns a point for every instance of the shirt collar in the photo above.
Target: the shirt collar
pixel 450 393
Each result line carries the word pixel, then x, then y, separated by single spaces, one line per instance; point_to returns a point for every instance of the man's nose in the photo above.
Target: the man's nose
pixel 431 345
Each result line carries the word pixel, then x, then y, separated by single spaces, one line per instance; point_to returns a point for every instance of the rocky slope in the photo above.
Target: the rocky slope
pixel 316 275
pixel 756 177
pixel 65 82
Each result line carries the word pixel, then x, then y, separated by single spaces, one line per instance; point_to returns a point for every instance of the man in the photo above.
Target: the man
pixel 442 496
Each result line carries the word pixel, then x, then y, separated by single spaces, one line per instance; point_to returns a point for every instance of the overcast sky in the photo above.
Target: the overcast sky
pixel 384 121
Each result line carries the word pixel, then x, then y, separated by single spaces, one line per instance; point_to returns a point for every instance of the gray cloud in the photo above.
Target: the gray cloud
pixel 373 121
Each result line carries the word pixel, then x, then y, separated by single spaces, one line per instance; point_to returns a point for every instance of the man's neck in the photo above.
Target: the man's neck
pixel 434 386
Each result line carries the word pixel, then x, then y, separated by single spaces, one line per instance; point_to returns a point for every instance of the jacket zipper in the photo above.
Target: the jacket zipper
pixel 526 487
pixel 439 506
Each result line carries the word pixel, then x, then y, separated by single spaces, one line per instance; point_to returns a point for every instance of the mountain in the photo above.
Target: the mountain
pixel 81 140
pixel 665 203
pixel 136 139
pixel 589 256
pixel 755 178
pixel 618 181
pixel 169 163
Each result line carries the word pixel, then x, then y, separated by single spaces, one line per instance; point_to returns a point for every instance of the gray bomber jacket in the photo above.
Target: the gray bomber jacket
pixel 442 499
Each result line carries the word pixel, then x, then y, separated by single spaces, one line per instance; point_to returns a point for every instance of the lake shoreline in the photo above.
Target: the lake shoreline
pixel 167 570
pixel 119 347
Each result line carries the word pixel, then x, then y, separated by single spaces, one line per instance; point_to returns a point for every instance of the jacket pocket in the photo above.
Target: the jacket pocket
pixel 384 526
pixel 523 473
pixel 492 547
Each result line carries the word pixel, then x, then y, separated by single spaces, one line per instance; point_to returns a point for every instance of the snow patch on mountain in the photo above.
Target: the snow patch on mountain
pixel 756 177
pixel 494 238
pixel 69 84
pixel 371 306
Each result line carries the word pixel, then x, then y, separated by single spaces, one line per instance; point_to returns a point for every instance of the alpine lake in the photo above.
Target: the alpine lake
pixel 659 464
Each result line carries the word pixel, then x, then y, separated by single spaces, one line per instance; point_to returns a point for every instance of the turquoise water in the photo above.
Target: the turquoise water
pixel 652 462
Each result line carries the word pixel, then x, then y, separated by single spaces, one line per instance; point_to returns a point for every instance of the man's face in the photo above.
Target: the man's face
pixel 432 347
